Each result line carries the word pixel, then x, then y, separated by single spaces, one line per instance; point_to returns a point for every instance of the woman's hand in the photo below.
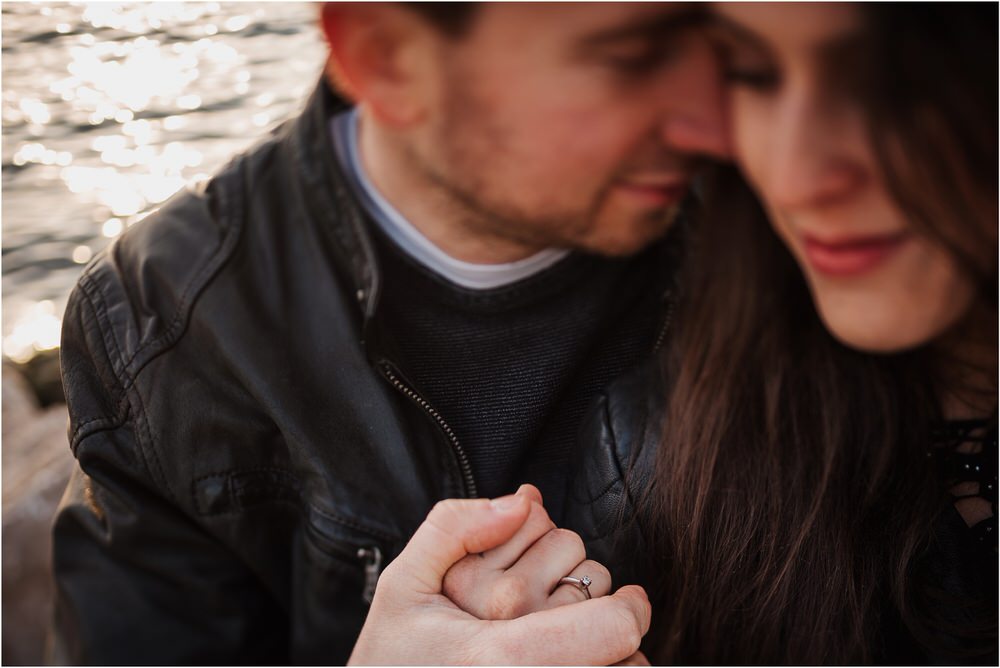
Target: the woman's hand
pixel 411 621
pixel 522 575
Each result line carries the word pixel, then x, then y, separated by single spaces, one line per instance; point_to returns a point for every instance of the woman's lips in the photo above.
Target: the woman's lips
pixel 850 256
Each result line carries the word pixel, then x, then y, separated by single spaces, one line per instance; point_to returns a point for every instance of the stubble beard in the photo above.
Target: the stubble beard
pixel 457 169
pixel 465 197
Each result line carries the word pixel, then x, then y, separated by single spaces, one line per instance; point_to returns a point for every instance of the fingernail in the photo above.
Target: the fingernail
pixel 506 502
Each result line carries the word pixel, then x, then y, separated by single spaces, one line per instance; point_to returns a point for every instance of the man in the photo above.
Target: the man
pixel 275 378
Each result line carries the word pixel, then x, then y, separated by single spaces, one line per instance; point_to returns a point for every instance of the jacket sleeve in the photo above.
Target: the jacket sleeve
pixel 138 581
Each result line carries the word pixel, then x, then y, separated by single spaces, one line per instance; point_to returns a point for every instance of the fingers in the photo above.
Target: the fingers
pixel 537 525
pixel 554 555
pixel 484 586
pixel 600 631
pixel 453 529
pixel 471 582
pixel 600 585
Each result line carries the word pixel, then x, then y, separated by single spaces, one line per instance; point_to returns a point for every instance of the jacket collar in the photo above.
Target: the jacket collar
pixel 329 198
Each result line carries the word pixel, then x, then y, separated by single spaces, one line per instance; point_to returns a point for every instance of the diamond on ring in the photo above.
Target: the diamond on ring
pixel 582 583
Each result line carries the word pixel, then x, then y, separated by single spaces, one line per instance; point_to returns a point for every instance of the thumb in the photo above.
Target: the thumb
pixel 453 529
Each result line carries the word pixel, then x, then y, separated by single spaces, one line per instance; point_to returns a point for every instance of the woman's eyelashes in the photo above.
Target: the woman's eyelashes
pixel 744 60
pixel 758 78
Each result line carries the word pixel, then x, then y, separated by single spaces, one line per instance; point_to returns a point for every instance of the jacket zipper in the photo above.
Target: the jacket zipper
pixel 372 559
pixel 463 461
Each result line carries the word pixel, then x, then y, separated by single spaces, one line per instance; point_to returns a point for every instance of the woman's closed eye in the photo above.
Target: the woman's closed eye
pixel 758 78
pixel 745 62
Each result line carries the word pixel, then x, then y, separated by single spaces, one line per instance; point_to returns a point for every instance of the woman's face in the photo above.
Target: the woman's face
pixel 800 139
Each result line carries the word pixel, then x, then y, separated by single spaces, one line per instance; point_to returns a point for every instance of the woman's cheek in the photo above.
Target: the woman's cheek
pixel 751 135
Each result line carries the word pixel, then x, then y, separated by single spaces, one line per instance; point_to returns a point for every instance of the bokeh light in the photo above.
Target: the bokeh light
pixel 109 109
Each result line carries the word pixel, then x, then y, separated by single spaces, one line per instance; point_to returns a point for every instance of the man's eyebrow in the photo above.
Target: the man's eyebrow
pixel 728 29
pixel 656 26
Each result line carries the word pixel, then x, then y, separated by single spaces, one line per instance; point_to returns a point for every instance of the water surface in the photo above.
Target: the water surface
pixel 110 108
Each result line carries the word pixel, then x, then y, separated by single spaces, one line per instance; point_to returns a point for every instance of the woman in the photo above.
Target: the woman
pixel 813 467
pixel 809 476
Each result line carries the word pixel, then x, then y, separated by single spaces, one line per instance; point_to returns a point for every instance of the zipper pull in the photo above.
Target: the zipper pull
pixel 373 566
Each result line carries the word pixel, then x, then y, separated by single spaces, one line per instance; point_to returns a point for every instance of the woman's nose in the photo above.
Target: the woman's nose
pixel 811 159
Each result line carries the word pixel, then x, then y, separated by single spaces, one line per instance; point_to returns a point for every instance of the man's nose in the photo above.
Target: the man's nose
pixel 696 119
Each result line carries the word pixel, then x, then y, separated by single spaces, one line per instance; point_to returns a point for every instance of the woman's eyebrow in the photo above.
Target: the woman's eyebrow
pixel 832 49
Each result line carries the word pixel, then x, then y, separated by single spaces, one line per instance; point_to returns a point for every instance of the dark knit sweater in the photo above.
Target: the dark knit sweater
pixel 512 369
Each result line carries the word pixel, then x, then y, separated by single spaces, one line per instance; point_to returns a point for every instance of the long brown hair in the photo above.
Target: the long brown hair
pixel 793 495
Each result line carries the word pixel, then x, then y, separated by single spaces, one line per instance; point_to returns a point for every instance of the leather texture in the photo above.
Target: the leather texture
pixel 237 442
pixel 619 440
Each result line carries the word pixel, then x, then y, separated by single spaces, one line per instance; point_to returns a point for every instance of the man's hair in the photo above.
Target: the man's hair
pixel 451 18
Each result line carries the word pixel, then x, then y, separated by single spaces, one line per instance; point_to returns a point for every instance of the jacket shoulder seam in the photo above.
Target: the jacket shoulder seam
pixel 119 396
pixel 126 386
pixel 200 281
pixel 112 347
pixel 231 219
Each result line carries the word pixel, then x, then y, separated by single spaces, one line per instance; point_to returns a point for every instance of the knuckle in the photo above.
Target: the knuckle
pixel 569 541
pixel 596 569
pixel 510 598
pixel 443 511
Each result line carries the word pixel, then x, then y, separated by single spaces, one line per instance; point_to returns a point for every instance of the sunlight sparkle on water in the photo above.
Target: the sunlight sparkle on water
pixel 35 111
pixel 36 330
pixel 112 227
pixel 82 254
pixel 109 109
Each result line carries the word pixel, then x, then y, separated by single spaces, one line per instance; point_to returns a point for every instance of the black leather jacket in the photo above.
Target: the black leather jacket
pixel 235 424
pixel 614 467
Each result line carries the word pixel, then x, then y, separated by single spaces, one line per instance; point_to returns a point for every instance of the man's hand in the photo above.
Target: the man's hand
pixel 411 621
pixel 522 575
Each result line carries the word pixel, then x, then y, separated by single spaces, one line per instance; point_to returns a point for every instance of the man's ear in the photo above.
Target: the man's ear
pixel 379 56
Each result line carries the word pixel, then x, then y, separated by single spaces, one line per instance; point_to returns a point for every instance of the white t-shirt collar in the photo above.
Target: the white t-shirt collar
pixel 344 130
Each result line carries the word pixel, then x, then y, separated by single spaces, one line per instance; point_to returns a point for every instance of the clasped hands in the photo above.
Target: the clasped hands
pixel 478 584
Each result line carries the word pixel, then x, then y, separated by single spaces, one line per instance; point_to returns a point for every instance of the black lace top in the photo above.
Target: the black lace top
pixel 966 456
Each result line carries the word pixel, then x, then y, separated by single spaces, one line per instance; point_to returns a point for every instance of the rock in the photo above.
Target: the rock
pixel 42 371
pixel 36 465
pixel 19 400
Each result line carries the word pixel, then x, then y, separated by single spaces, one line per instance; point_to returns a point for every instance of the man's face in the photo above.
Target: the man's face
pixel 574 125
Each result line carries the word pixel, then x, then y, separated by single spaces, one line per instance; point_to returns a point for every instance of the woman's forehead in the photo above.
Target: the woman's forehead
pixel 793 26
